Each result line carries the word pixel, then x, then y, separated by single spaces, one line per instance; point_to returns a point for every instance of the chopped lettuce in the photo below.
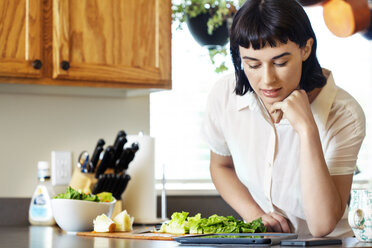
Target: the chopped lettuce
pixel 76 195
pixel 195 224
pixel 105 197
pixel 181 224
pixel 177 224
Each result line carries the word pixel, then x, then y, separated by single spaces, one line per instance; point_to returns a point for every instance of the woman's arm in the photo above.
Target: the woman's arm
pixel 238 197
pixel 324 196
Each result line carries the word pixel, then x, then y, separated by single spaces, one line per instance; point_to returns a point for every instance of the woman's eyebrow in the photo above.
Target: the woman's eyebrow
pixel 273 58
pixel 250 58
pixel 281 55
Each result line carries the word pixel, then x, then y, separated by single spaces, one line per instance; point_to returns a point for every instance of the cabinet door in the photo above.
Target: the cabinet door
pixel 112 40
pixel 20 38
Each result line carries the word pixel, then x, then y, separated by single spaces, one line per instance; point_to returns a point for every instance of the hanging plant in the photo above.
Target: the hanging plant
pixel 209 22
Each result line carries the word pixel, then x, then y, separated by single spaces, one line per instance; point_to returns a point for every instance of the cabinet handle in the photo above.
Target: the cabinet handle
pixel 65 65
pixel 37 64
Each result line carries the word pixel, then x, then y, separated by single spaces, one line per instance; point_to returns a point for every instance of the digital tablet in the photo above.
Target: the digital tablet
pixel 311 242
pixel 236 238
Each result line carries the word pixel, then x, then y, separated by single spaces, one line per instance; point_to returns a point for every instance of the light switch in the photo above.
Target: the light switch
pixel 61 167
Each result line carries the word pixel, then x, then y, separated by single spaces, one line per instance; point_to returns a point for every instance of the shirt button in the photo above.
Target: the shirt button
pixel 269 164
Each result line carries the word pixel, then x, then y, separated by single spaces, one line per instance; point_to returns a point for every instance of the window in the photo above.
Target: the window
pixel 176 115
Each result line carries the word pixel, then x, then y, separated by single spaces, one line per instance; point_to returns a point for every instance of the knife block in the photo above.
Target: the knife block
pixel 82 181
pixel 117 208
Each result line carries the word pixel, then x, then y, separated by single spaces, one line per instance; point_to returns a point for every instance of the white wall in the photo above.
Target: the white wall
pixel 32 124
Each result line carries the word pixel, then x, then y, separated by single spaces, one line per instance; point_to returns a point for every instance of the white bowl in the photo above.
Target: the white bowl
pixel 78 215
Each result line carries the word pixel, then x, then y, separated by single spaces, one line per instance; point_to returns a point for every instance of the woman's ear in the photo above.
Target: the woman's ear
pixel 306 50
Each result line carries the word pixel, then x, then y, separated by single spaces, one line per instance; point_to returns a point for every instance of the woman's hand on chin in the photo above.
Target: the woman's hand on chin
pixel 296 109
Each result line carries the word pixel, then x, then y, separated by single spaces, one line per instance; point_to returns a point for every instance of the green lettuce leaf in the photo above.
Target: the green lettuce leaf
pixel 180 223
pixel 76 195
pixel 177 224
pixel 195 224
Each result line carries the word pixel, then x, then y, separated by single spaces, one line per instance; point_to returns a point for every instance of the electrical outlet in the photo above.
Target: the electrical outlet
pixel 61 167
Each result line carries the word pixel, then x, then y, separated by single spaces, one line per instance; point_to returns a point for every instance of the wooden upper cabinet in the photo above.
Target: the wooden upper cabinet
pixel 20 38
pixel 95 43
pixel 112 40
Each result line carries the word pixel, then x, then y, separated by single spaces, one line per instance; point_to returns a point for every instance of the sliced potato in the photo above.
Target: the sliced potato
pixel 102 223
pixel 123 222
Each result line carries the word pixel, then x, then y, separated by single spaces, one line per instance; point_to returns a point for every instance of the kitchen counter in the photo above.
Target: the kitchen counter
pixel 40 237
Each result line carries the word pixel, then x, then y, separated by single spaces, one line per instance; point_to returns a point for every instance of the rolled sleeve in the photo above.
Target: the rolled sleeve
pixel 344 146
pixel 212 127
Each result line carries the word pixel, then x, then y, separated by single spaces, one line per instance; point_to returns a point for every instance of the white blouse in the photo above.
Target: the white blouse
pixel 266 155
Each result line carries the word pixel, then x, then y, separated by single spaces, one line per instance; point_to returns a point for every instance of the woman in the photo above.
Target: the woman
pixel 284 138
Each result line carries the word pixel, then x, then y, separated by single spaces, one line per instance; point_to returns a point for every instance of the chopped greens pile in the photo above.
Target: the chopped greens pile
pixel 76 195
pixel 180 223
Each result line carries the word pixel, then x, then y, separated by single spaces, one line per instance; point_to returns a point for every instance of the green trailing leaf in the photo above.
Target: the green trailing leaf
pixel 213 54
pixel 219 10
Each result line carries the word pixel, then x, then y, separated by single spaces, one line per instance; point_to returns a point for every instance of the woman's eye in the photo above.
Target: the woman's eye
pixel 253 66
pixel 281 64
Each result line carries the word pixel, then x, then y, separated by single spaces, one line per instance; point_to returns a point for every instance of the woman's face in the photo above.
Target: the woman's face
pixel 274 72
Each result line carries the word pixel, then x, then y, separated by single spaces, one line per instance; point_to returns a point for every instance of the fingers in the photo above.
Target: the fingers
pixel 277 109
pixel 282 221
pixel 277 106
pixel 276 116
pixel 275 223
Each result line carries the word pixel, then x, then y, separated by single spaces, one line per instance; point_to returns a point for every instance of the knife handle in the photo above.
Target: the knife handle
pixel 101 142
pixel 121 133
pixel 98 187
pixel 109 182
pixel 107 156
pixel 119 146
pixel 122 184
pixel 95 157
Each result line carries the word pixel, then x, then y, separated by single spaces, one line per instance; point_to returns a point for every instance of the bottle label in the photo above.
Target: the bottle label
pixel 39 208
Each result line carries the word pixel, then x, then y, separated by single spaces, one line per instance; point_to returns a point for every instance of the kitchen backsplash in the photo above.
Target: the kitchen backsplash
pixel 32 125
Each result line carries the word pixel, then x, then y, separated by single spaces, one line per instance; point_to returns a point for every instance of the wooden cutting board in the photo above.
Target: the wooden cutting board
pixel 130 235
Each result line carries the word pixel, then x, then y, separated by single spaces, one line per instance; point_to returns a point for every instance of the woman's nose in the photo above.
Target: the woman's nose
pixel 269 75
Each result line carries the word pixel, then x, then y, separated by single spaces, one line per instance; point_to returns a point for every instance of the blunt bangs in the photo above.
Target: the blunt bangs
pixel 267 27
pixel 259 23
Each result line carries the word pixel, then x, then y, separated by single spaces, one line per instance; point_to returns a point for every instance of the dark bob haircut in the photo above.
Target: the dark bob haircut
pixel 262 22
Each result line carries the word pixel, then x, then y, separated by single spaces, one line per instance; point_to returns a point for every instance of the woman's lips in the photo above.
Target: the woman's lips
pixel 271 93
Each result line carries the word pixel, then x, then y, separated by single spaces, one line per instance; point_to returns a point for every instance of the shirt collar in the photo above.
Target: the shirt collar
pixel 322 104
pixel 320 107
pixel 248 100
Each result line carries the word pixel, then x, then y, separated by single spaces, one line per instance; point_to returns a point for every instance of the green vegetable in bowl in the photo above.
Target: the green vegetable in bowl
pixel 181 224
pixel 76 195
pixel 105 197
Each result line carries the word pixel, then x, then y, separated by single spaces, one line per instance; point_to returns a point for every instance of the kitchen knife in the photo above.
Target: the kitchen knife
pixel 117 189
pixel 99 185
pixel 131 153
pixel 95 157
pixel 126 157
pixel 119 147
pixel 83 161
pixel 120 162
pixel 121 133
pixel 110 178
pixel 147 229
pixel 123 182
pixel 103 165
pixel 115 183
